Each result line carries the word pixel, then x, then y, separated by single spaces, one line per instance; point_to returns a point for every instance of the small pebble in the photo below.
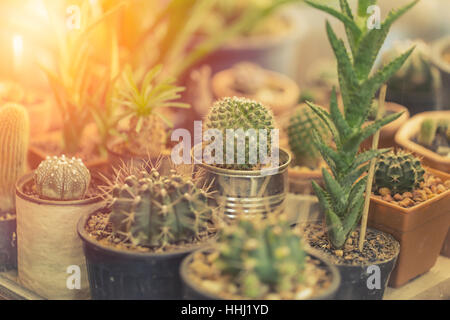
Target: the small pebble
pixel 398 197
pixel 407 202
pixel 440 189
pixel 384 191
pixel 388 198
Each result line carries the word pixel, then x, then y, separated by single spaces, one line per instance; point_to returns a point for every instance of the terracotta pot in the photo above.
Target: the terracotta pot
pixel 446 247
pixel 284 91
pixel 48 247
pixel 420 230
pixel 411 128
pixel 438 49
pixel 387 135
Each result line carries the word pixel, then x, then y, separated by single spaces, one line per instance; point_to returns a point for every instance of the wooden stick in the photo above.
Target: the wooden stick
pixel 376 138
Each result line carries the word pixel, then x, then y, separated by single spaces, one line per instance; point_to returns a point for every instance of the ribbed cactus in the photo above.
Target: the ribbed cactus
pixel 14 137
pixel 427 132
pixel 262 256
pixel 240 113
pixel 301 128
pixel 154 211
pixel 399 172
pixel 61 178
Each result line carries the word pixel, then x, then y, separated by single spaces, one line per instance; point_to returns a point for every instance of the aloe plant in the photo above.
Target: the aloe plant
pixel 342 199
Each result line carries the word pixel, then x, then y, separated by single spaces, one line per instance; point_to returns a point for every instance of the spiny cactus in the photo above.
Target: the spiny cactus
pixel 61 178
pixel 262 256
pixel 399 172
pixel 14 137
pixel 154 211
pixel 302 125
pixel 241 113
pixel 342 198
pixel 427 132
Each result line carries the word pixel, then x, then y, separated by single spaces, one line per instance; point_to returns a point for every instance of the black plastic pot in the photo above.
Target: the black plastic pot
pixel 191 291
pixel 8 245
pixel 355 279
pixel 124 275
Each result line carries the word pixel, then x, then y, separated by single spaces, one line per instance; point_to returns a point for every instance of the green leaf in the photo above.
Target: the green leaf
pixel 368 155
pixel 337 117
pixel 337 195
pixel 353 175
pixel 326 118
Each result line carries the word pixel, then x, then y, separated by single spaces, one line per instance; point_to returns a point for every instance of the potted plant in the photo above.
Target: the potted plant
pixel 425 135
pixel 307 163
pixel 14 137
pixel 49 203
pixel 440 55
pixel 242 160
pixel 258 259
pixel 134 248
pixel 342 197
pixel 246 79
pixel 143 105
pixel 411 203
pixel 415 84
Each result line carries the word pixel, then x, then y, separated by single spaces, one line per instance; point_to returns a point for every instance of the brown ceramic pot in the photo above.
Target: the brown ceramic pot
pixel 410 129
pixel 387 134
pixel 420 230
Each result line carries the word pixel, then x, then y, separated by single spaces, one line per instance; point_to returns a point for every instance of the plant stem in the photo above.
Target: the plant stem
pixel 376 138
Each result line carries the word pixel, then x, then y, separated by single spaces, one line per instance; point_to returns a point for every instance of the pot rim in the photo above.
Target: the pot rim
pixel 335 282
pixel 88 240
pixel 63 203
pixel 245 173
pixel 437 49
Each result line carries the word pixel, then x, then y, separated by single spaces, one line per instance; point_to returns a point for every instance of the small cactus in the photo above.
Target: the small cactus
pixel 241 113
pixel 263 256
pixel 61 178
pixel 399 172
pixel 300 131
pixel 154 211
pixel 427 132
pixel 14 138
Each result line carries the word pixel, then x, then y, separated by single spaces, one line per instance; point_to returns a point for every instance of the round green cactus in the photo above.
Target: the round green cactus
pixel 399 172
pixel 427 132
pixel 262 256
pixel 61 178
pixel 303 123
pixel 154 211
pixel 241 113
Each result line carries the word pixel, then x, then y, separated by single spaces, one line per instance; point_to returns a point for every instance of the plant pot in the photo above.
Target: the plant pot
pixel 387 134
pixel 8 245
pixel 446 247
pixel 281 93
pixel 118 274
pixel 421 231
pixel 248 191
pixel 192 291
pixel 48 243
pixel 410 130
pixel 300 182
pixel 438 49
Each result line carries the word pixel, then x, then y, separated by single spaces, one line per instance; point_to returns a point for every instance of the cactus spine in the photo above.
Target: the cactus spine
pixel 427 132
pixel 241 113
pixel 399 172
pixel 14 137
pixel 155 211
pixel 262 256
pixel 61 178
pixel 300 130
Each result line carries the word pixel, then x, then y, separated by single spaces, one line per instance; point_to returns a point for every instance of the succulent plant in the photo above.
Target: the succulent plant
pixel 342 198
pixel 61 178
pixel 154 211
pixel 147 132
pixel 427 132
pixel 300 130
pixel 399 172
pixel 241 113
pixel 262 256
pixel 14 137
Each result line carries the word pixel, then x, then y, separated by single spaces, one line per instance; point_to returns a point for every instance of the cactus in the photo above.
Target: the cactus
pixel 300 130
pixel 14 137
pixel 154 211
pixel 399 172
pixel 262 256
pixel 342 198
pixel 241 113
pixel 427 132
pixel 61 178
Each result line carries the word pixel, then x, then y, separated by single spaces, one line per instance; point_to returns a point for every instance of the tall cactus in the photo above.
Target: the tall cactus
pixel 14 138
